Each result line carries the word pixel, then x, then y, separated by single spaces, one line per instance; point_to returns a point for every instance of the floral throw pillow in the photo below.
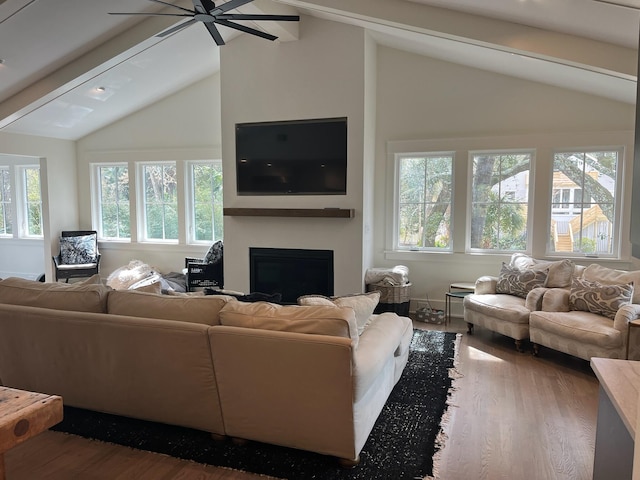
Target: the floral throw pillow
pixel 78 250
pixel 514 281
pixel 599 298
pixel 214 255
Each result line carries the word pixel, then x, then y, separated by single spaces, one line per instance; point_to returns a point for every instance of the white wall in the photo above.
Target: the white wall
pixel 323 74
pixel 445 107
pixel 60 200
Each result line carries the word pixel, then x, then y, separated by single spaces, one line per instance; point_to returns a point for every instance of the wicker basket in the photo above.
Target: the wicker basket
pixel 392 298
pixel 390 293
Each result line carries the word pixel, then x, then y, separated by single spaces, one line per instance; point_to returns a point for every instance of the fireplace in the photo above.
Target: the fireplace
pixel 291 272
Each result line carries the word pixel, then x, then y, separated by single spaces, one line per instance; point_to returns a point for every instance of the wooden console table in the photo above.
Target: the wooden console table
pixel 617 418
pixel 23 415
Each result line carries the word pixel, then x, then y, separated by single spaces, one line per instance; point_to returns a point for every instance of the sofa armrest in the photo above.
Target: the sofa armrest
pixel 555 300
pixel 626 314
pixel 534 299
pixel 486 285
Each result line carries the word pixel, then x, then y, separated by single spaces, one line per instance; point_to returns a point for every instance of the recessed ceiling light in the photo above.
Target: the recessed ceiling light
pixel 1 61
pixel 100 89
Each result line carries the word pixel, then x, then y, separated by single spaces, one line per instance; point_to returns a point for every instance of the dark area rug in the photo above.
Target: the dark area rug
pixel 401 445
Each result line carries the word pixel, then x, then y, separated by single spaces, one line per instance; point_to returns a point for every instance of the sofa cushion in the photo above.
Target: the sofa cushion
pixel 80 296
pixel 363 305
pixel 514 281
pixel 559 272
pixel 599 298
pixel 598 273
pixel 195 309
pixel 318 319
pixel 579 326
pixel 508 308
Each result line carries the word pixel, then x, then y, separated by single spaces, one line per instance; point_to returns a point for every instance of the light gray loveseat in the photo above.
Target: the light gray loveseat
pixel 297 376
pixel 582 311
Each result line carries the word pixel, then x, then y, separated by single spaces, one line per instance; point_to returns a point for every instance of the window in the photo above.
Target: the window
pixel 425 185
pixel 583 209
pixel 499 216
pixel 206 201
pixel 6 205
pixel 160 201
pixel 113 203
pixel 32 201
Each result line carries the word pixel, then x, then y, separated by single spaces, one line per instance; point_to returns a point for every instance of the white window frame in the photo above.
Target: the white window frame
pixel 22 206
pixel 530 196
pixel 190 200
pixel 143 236
pixel 617 222
pixel 398 157
pixel 11 202
pixel 96 200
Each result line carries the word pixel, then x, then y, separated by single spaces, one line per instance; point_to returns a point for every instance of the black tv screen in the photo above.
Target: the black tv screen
pixel 301 157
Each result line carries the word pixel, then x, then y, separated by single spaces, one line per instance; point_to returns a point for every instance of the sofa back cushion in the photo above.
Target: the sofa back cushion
pixel 610 276
pixel 559 272
pixel 195 309
pixel 318 319
pixel 363 305
pixel 79 297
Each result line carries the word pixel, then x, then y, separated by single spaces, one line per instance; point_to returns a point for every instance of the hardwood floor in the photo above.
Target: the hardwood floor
pixel 513 416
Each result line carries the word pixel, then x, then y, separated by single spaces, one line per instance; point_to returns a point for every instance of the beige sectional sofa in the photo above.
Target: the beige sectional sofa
pixel 582 311
pixel 297 376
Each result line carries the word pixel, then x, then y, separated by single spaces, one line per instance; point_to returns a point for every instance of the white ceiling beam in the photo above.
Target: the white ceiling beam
pixel 91 64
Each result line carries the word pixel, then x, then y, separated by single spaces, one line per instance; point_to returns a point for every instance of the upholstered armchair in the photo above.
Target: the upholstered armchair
pixel 79 256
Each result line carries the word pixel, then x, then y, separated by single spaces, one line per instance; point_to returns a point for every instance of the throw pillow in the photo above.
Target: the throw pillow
pixel 78 250
pixel 363 305
pixel 214 255
pixel 514 281
pixel 559 271
pixel 610 276
pixel 599 298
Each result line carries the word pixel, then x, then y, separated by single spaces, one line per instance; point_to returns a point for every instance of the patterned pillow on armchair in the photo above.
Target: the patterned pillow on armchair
pixel 78 250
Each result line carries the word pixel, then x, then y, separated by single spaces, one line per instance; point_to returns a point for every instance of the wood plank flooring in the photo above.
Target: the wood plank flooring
pixel 513 417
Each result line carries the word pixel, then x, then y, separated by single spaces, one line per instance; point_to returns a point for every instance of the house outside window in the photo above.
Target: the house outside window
pixel 113 202
pixel 160 201
pixel 6 203
pixel 205 185
pixel 424 194
pixel 499 218
pixel 32 201
pixel 584 208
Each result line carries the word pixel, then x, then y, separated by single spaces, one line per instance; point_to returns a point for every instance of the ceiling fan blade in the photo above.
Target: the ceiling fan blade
pixel 174 6
pixel 230 5
pixel 245 29
pixel 214 33
pixel 177 28
pixel 242 16
pixel 152 14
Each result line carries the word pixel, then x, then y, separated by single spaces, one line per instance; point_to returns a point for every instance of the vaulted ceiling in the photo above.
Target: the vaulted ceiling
pixel 69 68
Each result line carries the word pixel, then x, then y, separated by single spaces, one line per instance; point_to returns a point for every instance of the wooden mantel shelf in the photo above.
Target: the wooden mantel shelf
pixel 290 212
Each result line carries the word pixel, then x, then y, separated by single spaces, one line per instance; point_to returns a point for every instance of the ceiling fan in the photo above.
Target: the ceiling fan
pixel 205 11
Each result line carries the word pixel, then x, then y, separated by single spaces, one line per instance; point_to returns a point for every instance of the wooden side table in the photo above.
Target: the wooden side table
pixel 630 325
pixel 23 415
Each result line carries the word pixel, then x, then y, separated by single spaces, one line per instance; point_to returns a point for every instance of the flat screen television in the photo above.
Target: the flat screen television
pixel 300 157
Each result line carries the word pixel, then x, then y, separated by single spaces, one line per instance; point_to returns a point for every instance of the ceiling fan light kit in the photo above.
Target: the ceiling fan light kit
pixel 205 11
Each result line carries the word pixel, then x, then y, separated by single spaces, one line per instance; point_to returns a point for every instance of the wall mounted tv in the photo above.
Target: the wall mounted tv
pixel 301 157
